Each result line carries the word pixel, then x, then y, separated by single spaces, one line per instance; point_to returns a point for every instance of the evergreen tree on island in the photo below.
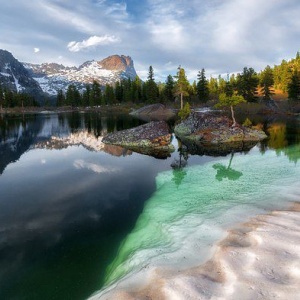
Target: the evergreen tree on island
pixel 230 101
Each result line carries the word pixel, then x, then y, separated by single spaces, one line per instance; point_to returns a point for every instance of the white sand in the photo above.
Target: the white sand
pixel 259 259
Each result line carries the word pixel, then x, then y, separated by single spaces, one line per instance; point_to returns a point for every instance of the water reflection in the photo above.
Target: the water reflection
pixel 282 136
pixel 64 212
pixel 57 131
pixel 227 172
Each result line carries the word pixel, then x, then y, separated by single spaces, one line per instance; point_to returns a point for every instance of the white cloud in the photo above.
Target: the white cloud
pixel 221 36
pixel 93 41
pixel 36 50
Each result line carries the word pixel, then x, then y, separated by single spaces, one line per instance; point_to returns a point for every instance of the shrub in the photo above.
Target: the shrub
pixel 185 111
pixel 247 123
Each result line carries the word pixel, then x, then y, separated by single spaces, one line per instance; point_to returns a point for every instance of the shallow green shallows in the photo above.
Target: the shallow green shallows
pixel 191 205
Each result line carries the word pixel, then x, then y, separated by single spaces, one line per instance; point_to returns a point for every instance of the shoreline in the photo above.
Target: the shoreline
pixel 258 259
pixel 285 108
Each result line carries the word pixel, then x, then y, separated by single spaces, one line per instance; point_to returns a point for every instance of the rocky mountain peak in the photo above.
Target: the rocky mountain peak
pixel 5 57
pixel 117 62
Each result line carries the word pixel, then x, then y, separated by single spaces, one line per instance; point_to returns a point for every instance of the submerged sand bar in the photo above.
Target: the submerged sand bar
pixel 259 259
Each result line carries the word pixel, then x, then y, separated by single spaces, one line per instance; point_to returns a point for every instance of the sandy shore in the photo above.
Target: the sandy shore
pixel 259 259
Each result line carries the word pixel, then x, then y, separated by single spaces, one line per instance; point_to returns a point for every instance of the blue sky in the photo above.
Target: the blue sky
pixel 220 36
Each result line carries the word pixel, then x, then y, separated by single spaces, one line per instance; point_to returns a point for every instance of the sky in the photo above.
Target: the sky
pixel 221 36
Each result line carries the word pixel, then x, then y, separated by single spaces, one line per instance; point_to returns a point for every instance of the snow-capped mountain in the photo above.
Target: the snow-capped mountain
pixel 15 77
pixel 53 77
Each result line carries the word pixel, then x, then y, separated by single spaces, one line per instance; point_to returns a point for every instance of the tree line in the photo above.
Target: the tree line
pixel 9 99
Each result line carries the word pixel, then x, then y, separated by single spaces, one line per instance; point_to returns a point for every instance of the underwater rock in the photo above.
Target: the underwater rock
pixel 153 137
pixel 214 135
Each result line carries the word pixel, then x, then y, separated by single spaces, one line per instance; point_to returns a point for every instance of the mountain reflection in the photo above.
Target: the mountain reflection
pixel 19 134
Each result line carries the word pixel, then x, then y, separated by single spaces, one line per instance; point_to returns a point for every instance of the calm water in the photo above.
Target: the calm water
pixel 71 214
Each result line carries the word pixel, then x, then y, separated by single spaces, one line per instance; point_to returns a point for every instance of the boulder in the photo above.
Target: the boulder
pixel 152 138
pixel 205 132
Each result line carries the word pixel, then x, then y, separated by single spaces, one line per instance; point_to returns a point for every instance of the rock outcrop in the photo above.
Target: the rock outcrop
pixel 152 138
pixel 212 134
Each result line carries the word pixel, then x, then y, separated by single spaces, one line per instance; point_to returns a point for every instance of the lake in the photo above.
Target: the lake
pixel 77 217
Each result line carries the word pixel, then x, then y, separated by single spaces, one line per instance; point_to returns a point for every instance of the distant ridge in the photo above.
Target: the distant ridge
pixel 53 77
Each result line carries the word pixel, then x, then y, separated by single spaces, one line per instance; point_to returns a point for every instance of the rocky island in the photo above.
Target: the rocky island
pixel 207 133
pixel 152 138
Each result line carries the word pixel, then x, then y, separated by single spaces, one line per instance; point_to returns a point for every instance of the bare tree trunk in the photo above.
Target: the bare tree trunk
pixel 181 100
pixel 232 115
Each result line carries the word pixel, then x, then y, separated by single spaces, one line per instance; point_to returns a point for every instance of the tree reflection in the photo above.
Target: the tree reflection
pixel 277 136
pixel 227 172
pixel 285 138
pixel 178 164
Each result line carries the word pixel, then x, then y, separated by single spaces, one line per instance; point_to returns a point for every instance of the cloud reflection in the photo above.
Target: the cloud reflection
pixel 81 164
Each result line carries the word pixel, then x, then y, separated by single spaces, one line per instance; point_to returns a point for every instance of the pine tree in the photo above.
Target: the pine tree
pixel 202 87
pixel 266 82
pixel 127 90
pixel 8 98
pixel 181 85
pixel 119 92
pixel 86 95
pixel 96 94
pixel 60 99
pixel 109 95
pixel 282 75
pixel 247 84
pixel 73 97
pixel 136 90
pixel 294 86
pixel 169 88
pixel 151 89
pixel 213 86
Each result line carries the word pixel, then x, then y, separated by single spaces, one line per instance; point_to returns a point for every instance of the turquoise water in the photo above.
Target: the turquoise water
pixel 192 207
